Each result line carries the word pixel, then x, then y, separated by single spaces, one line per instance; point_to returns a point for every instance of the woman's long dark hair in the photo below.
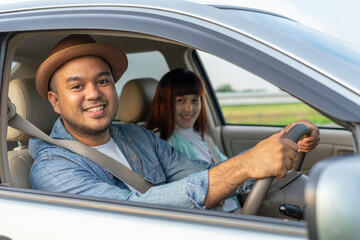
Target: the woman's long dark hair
pixel 177 82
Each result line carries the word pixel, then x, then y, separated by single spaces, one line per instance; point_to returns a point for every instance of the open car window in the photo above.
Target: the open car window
pixel 247 99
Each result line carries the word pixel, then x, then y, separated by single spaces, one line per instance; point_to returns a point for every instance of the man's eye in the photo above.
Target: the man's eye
pixel 180 100
pixel 76 87
pixel 104 81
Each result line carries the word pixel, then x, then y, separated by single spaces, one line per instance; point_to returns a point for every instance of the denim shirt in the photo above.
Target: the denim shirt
pixel 177 180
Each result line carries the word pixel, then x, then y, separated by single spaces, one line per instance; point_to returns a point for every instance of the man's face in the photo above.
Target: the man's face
pixel 84 94
pixel 187 110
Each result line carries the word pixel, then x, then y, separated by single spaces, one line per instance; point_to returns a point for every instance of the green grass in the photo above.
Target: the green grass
pixel 272 114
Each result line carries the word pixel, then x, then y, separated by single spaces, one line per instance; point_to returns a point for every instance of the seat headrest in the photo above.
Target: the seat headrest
pixel 31 106
pixel 135 100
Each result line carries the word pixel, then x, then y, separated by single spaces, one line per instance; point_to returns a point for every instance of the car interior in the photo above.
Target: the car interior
pixel 136 90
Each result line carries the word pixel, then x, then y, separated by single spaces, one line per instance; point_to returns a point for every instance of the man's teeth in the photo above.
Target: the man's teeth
pixel 95 109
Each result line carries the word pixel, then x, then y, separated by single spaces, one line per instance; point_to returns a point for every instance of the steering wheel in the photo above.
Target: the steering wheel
pixel 257 193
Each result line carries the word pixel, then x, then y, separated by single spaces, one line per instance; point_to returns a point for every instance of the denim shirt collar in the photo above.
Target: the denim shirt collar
pixel 59 131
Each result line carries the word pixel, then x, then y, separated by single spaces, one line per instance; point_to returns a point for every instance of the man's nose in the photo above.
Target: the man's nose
pixel 92 92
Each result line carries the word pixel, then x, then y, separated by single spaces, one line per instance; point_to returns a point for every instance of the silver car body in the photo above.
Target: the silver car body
pixel 315 68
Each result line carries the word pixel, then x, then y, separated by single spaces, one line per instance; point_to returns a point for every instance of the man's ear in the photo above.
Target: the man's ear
pixel 54 100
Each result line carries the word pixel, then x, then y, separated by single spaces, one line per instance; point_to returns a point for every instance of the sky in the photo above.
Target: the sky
pixel 338 18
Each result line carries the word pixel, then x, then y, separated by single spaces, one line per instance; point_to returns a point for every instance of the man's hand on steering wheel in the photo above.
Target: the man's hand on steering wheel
pixel 309 141
pixel 306 136
pixel 273 156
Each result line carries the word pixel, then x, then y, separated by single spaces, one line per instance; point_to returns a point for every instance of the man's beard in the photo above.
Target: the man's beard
pixel 81 129
pixel 84 130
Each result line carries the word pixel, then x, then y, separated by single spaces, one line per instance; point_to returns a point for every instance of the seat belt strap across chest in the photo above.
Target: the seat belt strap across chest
pixel 116 168
pixel 211 145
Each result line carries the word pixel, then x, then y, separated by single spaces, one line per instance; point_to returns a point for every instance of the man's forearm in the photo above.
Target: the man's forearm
pixel 224 179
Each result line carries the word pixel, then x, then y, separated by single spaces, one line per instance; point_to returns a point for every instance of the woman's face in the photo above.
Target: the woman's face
pixel 187 110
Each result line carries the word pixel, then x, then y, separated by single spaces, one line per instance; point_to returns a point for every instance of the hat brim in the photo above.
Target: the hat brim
pixel 112 55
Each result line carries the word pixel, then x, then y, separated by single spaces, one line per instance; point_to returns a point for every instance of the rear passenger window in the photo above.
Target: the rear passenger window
pixel 150 64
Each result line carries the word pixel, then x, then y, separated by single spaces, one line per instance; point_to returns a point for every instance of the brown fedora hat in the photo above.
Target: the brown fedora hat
pixel 78 45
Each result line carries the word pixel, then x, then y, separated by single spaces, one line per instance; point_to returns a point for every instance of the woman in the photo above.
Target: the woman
pixel 178 115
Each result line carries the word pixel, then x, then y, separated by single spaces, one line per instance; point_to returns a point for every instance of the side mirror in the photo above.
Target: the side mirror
pixel 332 196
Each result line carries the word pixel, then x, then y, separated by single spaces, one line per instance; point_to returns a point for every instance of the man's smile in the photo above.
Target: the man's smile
pixel 95 109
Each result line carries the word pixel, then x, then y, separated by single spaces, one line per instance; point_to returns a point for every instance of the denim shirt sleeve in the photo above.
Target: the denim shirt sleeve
pixel 59 174
pixel 183 175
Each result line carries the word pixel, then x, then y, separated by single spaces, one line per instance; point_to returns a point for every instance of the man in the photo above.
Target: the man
pixel 78 79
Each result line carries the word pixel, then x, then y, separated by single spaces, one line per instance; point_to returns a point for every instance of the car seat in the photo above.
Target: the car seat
pixel 135 100
pixel 30 105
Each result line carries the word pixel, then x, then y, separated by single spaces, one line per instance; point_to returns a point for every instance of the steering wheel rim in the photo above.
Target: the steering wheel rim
pixel 258 191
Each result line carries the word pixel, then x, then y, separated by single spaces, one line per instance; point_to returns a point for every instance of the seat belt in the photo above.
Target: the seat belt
pixel 211 145
pixel 116 168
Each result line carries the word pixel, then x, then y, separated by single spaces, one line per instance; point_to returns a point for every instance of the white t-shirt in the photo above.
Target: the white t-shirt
pixel 191 135
pixel 111 149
